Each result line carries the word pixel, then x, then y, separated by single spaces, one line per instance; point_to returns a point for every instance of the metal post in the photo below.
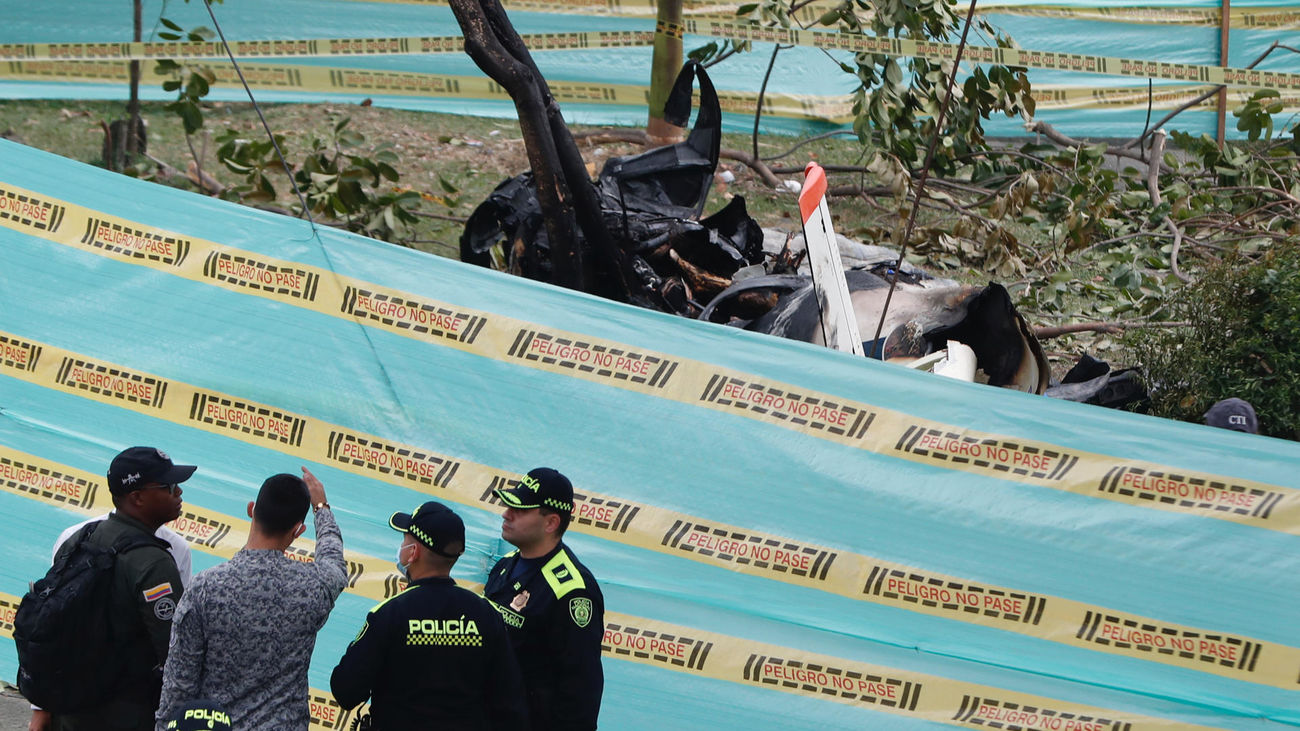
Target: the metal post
pixel 1225 24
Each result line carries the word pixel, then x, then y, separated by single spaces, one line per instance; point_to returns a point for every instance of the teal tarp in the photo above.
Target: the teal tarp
pixel 798 71
pixel 679 456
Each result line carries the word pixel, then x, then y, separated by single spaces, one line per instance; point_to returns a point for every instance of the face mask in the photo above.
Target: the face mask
pixel 402 568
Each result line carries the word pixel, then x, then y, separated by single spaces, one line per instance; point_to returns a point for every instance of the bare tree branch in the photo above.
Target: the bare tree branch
pixel 1153 187
pixel 1051 133
pixel 1046 332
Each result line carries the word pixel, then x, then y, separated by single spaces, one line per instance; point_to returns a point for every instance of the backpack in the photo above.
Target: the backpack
pixel 69 657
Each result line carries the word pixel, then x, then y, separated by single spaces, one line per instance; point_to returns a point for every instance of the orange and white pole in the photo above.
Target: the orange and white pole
pixel 839 322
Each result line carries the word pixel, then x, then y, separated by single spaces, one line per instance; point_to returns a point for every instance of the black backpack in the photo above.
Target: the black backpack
pixel 69 654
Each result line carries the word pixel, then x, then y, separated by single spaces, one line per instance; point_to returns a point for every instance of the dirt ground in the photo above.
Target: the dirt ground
pixel 14 709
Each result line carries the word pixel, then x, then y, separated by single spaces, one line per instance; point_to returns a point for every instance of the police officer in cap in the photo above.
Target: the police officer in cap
pixel 551 603
pixel 435 655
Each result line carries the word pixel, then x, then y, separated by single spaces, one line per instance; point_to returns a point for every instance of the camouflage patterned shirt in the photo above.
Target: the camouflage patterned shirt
pixel 244 631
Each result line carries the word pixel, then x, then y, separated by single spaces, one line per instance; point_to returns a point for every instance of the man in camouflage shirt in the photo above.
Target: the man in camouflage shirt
pixel 244 631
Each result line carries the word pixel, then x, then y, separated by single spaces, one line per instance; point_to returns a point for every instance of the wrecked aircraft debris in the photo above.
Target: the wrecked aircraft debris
pixel 716 268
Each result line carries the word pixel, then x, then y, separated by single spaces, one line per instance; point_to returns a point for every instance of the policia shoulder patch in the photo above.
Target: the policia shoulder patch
pixel 562 575
pixel 580 610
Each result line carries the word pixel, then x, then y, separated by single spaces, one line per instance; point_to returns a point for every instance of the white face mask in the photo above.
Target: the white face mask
pixel 402 568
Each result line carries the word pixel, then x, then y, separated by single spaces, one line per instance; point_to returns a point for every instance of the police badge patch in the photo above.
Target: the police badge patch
pixel 580 610
pixel 164 609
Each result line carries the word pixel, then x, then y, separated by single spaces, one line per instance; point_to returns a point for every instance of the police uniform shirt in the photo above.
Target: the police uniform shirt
pixel 555 615
pixel 433 656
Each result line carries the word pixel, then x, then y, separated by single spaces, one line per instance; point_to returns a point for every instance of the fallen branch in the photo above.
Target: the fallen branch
pixel 814 138
pixel 1051 133
pixel 205 182
pixel 1045 332
pixel 440 217
pixel 1153 187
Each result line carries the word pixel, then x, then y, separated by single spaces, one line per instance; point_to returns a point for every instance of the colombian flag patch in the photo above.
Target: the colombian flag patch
pixel 158 592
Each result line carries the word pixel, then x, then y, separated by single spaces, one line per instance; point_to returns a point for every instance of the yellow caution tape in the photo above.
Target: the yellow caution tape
pixel 835 109
pixel 935 51
pixel 1281 18
pixel 94 62
pixel 616 8
pixel 672 30
pixel 397 83
pixel 853 683
pixel 143 51
pixel 821 415
pixel 1137 97
pixel 789 670
pixel 1251 17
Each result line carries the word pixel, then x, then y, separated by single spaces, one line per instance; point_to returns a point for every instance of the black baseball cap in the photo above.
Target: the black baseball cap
pixel 201 715
pixel 1233 413
pixel 434 525
pixel 541 487
pixel 136 467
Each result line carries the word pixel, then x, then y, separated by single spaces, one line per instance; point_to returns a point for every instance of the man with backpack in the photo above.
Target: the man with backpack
pixel 92 635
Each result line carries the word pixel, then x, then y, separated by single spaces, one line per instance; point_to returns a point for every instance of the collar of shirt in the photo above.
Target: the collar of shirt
pixel 121 517
pixel 434 581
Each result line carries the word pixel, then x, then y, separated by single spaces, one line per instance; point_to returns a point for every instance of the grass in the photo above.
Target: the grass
pixel 470 154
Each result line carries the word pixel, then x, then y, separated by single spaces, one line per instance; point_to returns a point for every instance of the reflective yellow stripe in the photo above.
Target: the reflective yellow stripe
pixel 562 575
pixel 509 616
pixel 389 599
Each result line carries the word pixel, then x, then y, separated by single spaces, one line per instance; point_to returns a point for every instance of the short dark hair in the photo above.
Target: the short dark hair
pixel 281 503
pixel 564 517
pixel 456 548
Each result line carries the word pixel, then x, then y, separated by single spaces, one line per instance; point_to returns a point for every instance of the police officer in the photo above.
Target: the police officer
pixel 551 603
pixel 435 655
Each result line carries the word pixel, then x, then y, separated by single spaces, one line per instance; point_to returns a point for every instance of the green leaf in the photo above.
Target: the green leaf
pixel 893 73
pixel 198 85
pixel 191 116
pixel 351 196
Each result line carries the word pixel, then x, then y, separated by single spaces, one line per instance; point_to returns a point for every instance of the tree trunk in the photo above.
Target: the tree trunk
pixel 564 189
pixel 664 66
pixel 522 83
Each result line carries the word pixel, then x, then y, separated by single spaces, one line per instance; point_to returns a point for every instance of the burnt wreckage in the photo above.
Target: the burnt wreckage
pixel 716 268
